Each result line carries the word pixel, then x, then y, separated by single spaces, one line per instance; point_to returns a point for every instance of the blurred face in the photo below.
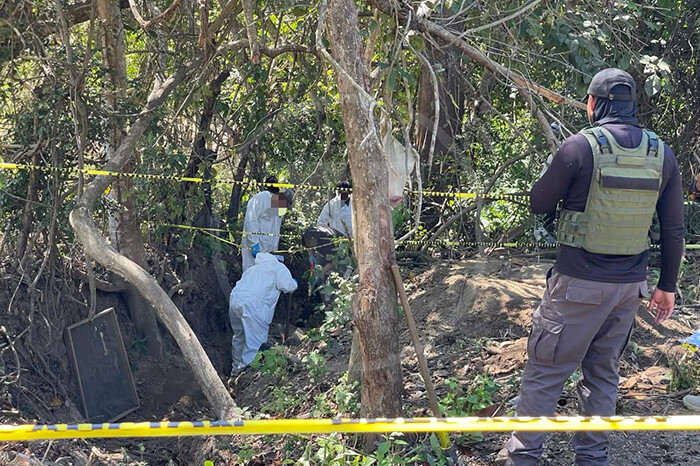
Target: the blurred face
pixel 279 202
pixel 590 106
pixel 344 195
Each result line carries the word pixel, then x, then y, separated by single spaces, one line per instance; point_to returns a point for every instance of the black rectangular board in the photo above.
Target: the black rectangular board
pixel 101 366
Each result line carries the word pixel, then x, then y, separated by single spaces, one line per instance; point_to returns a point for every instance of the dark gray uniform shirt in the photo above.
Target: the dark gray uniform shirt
pixel 569 178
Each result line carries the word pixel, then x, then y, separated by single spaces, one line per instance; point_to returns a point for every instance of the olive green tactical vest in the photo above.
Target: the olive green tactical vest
pixel 622 197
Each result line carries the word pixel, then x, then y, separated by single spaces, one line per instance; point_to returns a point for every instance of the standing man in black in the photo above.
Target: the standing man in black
pixel 612 178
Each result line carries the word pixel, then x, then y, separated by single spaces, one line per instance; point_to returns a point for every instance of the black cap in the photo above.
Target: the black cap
pixel 603 82
pixel 344 187
pixel 269 180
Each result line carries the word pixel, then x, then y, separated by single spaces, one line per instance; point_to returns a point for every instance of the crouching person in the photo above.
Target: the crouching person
pixel 252 306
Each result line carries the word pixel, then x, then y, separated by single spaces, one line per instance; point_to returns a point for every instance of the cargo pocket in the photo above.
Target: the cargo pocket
pixel 542 345
pixel 578 294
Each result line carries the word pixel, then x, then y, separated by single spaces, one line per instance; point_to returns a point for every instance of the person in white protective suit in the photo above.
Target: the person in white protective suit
pixel 252 306
pixel 263 219
pixel 337 213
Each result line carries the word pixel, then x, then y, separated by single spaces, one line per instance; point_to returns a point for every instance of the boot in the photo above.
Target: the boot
pixel 692 402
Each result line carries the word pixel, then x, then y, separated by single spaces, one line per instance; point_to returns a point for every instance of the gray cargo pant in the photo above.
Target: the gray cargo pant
pixel 579 323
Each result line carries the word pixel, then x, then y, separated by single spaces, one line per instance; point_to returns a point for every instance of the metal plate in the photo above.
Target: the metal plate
pixel 101 366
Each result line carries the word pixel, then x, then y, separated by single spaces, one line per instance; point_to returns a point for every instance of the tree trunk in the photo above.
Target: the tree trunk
pixel 451 105
pixel 97 247
pixel 200 153
pixel 124 222
pixel 234 205
pixel 375 315
pixel 355 363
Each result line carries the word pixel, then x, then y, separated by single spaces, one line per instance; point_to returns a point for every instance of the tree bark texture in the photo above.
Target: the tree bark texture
pixel 451 105
pixel 234 205
pixel 375 315
pixel 97 247
pixel 125 233
pixel 200 153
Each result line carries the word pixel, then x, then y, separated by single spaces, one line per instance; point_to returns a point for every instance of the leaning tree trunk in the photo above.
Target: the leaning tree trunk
pixel 124 225
pixel 81 219
pixel 376 316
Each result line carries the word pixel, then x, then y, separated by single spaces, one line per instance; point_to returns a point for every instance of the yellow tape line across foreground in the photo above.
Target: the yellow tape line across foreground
pixel 325 426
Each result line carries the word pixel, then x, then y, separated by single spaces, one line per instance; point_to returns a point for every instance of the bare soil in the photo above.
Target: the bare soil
pixel 473 318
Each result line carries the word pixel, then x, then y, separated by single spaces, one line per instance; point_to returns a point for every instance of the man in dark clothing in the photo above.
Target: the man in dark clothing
pixel 611 179
pixel 322 246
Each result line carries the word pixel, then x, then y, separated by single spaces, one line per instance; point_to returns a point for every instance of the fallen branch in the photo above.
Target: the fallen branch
pixel 81 219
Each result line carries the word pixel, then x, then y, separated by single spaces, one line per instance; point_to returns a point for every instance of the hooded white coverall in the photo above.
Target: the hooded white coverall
pixel 252 306
pixel 260 217
pixel 335 213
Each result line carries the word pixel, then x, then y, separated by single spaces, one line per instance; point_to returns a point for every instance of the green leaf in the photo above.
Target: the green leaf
pixel 624 62
pixel 383 448
pixel 411 80
pixel 652 85
pixel 435 444
pixel 391 80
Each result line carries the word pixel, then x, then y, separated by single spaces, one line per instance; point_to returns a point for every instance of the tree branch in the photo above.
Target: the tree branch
pixel 250 30
pixel 542 120
pixel 484 27
pixel 426 26
pixel 267 51
pixel 158 19
pixel 96 246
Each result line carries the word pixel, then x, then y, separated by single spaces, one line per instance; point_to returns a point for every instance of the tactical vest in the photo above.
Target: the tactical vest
pixel 622 197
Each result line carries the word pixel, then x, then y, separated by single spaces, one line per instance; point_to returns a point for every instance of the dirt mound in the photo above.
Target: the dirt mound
pixel 473 318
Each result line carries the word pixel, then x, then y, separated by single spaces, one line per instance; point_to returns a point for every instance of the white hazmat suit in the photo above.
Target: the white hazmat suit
pixel 252 306
pixel 260 217
pixel 335 213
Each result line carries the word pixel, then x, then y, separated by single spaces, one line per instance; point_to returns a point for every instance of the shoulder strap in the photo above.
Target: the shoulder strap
pixel 653 146
pixel 603 143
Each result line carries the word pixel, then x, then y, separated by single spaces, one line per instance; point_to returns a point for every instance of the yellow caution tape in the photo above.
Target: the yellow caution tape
pixel 254 183
pixel 444 243
pixel 258 184
pixel 325 426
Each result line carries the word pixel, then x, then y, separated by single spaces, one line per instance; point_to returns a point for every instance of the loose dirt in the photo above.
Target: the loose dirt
pixel 473 318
